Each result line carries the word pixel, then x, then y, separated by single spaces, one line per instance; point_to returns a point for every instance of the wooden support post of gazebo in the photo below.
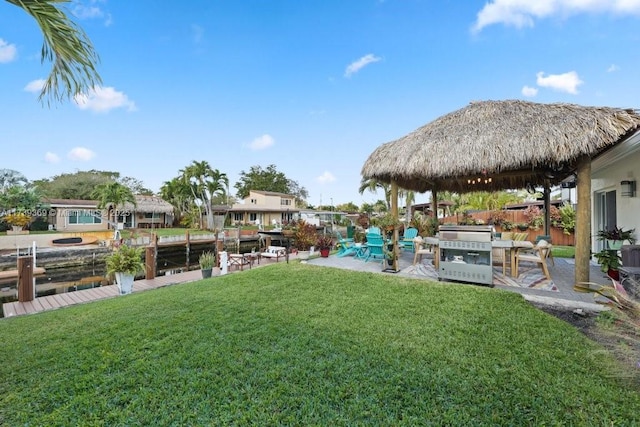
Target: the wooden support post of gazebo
pixel 583 219
pixel 394 213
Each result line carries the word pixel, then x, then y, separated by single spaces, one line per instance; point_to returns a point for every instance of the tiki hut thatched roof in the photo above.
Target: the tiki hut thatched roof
pixel 150 204
pixel 499 145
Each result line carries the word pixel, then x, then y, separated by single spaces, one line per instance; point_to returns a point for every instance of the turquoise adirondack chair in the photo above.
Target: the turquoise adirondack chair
pixel 407 240
pixel 345 246
pixel 375 247
pixel 374 230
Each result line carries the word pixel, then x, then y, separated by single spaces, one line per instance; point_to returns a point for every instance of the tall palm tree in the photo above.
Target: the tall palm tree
pixel 66 46
pixel 373 186
pixel 113 195
pixel 205 182
pixel 178 193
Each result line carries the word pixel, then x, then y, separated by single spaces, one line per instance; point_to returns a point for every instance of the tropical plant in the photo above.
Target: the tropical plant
pixel 534 216
pixel 125 259
pixel 567 218
pixel 67 47
pixel 324 241
pixel 204 184
pixel 507 225
pixel 608 260
pixel 618 233
pixel 113 196
pixel 207 260
pixel 386 222
pixel 305 235
pixel 17 219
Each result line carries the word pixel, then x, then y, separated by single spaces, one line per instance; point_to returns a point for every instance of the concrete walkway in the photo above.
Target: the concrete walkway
pixel 562 274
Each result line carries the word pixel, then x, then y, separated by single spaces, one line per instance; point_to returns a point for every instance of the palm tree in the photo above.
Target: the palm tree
pixel 372 185
pixel 113 195
pixel 204 183
pixel 178 193
pixel 67 47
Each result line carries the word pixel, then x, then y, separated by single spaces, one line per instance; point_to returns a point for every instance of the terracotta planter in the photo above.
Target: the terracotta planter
pixel 614 274
pixel 324 252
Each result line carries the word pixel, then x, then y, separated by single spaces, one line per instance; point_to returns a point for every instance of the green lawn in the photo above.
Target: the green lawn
pixel 294 344
pixel 563 251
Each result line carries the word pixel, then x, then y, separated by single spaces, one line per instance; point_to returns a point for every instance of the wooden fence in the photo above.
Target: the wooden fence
pixel 558 237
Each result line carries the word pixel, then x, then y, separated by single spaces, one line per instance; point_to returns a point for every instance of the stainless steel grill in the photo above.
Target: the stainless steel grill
pixel 465 253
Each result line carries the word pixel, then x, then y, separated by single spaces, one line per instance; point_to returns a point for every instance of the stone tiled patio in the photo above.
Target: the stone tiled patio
pixel 562 274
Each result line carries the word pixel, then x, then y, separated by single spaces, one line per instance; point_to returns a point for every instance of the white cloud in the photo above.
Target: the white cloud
pixel 529 91
pixel 612 68
pixel 567 82
pixel 104 99
pixel 356 66
pixel 262 142
pixel 8 51
pixel 91 10
pixel 523 13
pixel 34 86
pixel 326 177
pixel 81 154
pixel 50 157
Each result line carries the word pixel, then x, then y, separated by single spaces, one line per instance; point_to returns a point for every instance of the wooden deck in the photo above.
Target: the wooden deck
pixel 51 302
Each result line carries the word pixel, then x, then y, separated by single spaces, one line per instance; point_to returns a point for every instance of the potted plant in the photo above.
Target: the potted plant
pixel 610 262
pixel 324 244
pixel 207 261
pixel 616 236
pixel 125 262
pixel 305 236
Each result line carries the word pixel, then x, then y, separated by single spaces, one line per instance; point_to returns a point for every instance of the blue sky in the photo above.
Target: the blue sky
pixel 310 86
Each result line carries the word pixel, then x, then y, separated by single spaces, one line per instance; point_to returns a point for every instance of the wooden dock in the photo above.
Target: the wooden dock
pixel 51 302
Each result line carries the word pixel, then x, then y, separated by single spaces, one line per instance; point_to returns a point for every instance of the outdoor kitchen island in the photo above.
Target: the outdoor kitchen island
pixel 465 253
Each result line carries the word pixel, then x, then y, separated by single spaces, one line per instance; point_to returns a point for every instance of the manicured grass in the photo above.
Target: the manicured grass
pixel 563 251
pixel 294 344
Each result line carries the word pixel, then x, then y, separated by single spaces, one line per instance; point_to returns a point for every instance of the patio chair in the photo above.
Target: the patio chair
pixel 375 247
pixel 374 230
pixel 548 239
pixel 539 256
pixel 345 246
pixel 407 239
pixel 419 249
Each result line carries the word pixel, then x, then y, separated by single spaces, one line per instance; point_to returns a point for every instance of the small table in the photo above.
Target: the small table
pixel 361 251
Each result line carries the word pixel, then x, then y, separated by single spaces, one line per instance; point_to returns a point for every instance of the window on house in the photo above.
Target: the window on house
pixel 152 215
pixel 253 201
pixel 85 217
pixel 238 216
pixel 253 216
pixel 286 202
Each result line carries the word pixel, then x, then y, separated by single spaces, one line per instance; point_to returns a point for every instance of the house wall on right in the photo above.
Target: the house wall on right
pixel 609 206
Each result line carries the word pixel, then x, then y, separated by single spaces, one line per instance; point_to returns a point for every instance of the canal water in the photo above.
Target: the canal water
pixel 92 273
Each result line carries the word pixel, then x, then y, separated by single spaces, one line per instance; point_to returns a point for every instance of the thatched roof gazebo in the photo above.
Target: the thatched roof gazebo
pixel 496 145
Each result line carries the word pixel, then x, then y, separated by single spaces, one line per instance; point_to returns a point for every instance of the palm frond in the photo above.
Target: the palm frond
pixel 67 47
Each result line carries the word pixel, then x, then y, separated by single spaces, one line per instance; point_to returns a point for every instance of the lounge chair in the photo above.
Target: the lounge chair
pixel 274 252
